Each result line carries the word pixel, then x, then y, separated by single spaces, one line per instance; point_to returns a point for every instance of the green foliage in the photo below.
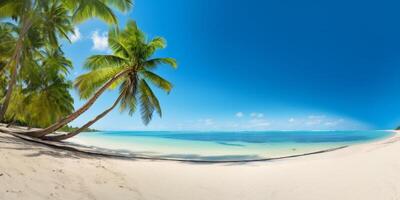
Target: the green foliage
pixel 43 96
pixel 71 129
pixel 88 83
pixel 79 10
pixel 133 53
pixel 7 42
pixel 31 30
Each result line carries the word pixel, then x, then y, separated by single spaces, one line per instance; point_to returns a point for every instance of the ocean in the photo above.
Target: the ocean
pixel 225 146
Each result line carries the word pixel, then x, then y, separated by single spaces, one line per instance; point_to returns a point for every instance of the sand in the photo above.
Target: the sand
pixel 366 171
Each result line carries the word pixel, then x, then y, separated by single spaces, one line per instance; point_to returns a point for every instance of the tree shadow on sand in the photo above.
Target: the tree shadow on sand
pixel 68 150
pixel 35 149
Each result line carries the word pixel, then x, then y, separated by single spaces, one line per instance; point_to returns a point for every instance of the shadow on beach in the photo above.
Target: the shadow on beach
pixel 10 142
pixel 75 151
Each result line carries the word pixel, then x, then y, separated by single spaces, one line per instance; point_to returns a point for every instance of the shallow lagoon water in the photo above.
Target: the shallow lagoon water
pixel 225 145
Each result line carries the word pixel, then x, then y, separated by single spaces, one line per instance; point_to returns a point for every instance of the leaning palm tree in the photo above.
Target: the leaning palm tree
pixel 130 67
pixel 53 17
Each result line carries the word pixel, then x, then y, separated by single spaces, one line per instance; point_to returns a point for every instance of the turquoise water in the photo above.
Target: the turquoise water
pixel 225 145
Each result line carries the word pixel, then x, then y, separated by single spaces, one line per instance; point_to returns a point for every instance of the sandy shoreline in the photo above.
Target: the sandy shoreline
pixel 365 171
pixel 100 152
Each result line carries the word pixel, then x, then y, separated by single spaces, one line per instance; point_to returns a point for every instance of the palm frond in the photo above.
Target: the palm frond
pixel 12 8
pixel 153 99
pixel 153 63
pixel 158 81
pixel 116 43
pixel 88 83
pixel 155 44
pixel 129 100
pixel 94 8
pixel 146 106
pixel 122 5
pixel 56 21
pixel 101 61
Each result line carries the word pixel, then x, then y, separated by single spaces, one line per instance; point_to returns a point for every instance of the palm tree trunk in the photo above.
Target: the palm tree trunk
pixel 26 25
pixel 11 85
pixel 76 114
pixel 87 125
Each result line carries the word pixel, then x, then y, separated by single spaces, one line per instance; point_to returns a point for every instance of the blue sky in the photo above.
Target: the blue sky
pixel 263 65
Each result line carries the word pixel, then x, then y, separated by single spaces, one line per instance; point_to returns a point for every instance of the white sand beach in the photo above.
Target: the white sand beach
pixel 33 171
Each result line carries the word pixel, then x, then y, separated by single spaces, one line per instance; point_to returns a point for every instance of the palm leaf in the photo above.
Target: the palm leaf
pixel 88 83
pixel 146 106
pixel 153 99
pixel 155 44
pixel 102 61
pixel 94 8
pixel 129 100
pixel 158 81
pixel 122 5
pixel 116 43
pixel 153 63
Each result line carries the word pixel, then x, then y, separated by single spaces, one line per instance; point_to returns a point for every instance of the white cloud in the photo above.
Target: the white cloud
pixel 333 122
pixel 315 120
pixel 100 41
pixel 239 114
pixel 256 115
pixel 76 36
pixel 321 121
pixel 258 124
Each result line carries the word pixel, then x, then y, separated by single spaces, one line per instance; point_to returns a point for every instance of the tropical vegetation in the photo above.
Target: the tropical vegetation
pixel 34 82
pixel 130 68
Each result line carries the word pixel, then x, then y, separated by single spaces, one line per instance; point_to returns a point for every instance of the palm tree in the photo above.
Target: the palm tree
pixel 53 17
pixel 7 42
pixel 130 67
pixel 42 96
pixel 27 48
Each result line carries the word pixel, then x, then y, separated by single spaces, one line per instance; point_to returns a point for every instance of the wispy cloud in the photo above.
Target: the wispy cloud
pixel 256 115
pixel 76 36
pixel 100 41
pixel 315 120
pixel 239 114
pixel 333 123
pixel 257 124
